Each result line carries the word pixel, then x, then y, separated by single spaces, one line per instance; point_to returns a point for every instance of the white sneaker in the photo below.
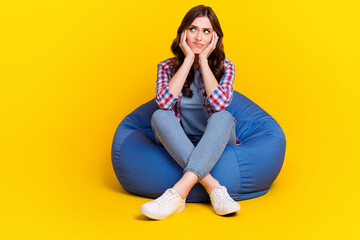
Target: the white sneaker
pixel 222 202
pixel 167 204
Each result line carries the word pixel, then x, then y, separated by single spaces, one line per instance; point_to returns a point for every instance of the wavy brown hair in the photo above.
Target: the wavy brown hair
pixel 215 59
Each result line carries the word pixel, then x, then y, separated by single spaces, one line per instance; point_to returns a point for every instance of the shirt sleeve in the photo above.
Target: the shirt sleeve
pixel 221 97
pixel 164 98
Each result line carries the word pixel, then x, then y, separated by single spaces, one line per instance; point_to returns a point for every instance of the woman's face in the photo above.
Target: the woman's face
pixel 199 34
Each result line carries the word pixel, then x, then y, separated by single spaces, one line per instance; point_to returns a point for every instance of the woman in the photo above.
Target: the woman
pixel 193 90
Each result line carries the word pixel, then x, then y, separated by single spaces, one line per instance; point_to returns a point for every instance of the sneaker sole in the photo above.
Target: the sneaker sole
pixel 152 216
pixel 228 211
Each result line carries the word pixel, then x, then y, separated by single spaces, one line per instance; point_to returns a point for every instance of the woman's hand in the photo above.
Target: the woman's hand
pixel 184 47
pixel 208 50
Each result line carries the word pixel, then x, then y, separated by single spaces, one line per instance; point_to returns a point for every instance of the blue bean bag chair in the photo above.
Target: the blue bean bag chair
pixel 247 170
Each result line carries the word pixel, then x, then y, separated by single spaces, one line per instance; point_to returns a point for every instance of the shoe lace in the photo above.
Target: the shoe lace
pixel 164 199
pixel 222 194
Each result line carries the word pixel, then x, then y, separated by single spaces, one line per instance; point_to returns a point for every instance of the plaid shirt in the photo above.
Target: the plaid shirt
pixel 217 101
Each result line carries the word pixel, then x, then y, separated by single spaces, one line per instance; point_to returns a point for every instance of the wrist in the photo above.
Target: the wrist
pixel 202 60
pixel 190 58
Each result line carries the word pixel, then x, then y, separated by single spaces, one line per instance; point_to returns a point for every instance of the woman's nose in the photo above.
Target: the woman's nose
pixel 198 36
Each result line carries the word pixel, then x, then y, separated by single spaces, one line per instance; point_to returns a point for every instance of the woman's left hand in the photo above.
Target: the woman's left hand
pixel 208 50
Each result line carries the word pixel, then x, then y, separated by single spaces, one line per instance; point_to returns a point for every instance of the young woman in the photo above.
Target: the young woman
pixel 193 90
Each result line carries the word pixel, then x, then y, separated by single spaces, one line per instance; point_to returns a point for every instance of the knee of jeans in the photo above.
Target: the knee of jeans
pixel 159 114
pixel 222 115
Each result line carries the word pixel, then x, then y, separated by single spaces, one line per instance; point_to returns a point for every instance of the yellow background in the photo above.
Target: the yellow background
pixel 72 70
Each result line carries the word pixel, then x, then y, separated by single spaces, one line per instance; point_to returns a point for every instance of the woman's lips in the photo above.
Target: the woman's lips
pixel 198 44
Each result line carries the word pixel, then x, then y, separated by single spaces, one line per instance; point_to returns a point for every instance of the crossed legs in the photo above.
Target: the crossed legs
pixel 197 161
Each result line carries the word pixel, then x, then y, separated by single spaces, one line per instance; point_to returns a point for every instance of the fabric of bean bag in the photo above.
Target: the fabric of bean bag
pixel 247 170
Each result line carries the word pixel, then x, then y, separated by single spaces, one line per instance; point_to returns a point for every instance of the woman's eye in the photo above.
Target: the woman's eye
pixel 207 31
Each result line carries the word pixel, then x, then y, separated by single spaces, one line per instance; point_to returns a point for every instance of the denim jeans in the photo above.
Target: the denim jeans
pixel 197 154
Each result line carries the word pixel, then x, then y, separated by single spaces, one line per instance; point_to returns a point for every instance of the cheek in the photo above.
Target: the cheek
pixel 208 41
pixel 188 41
pixel 188 37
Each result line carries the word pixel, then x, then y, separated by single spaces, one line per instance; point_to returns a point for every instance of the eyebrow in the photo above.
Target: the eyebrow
pixel 198 27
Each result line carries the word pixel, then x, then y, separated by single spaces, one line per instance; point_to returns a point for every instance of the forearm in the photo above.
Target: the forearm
pixel 209 79
pixel 177 81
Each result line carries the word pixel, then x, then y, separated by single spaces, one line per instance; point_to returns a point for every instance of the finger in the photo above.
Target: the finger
pixel 214 39
pixel 184 39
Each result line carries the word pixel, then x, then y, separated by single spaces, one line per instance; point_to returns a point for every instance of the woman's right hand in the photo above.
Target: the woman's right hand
pixel 184 47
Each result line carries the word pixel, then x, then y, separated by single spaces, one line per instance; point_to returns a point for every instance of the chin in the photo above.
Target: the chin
pixel 196 51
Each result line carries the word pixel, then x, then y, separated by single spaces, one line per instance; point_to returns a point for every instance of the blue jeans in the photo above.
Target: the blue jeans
pixel 197 154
